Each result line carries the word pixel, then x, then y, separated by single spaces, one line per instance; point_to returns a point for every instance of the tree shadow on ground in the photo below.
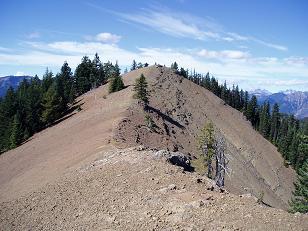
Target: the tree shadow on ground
pixel 164 116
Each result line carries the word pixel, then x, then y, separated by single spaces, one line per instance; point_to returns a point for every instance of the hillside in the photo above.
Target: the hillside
pixel 84 173
pixel 180 108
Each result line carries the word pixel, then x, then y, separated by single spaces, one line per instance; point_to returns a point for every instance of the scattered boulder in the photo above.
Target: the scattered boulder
pixel 175 158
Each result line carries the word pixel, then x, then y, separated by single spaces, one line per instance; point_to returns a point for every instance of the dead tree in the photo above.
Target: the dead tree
pixel 212 146
pixel 220 162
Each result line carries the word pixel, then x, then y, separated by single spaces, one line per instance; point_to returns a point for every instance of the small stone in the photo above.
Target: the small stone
pixel 172 187
pixel 163 190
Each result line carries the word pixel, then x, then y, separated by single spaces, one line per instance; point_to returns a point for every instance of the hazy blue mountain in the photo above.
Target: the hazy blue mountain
pixel 14 81
pixel 290 101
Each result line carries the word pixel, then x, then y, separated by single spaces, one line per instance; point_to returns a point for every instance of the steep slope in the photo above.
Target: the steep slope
pixel 180 108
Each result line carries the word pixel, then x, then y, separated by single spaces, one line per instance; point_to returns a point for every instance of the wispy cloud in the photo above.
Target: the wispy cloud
pixel 179 24
pixel 170 23
pixel 270 45
pixel 225 54
pixel 105 37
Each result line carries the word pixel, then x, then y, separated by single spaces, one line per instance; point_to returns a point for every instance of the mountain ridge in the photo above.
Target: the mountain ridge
pixel 87 172
pixel 289 101
pixel 11 81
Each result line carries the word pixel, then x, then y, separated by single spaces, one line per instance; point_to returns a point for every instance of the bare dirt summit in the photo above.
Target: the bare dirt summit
pixel 102 169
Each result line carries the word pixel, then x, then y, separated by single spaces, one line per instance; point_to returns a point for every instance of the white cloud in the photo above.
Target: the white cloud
pixel 19 73
pixel 107 38
pixel 225 54
pixel 104 37
pixel 297 60
pixel 233 65
pixel 237 37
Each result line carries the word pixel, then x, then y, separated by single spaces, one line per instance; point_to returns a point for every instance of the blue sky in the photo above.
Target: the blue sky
pixel 256 44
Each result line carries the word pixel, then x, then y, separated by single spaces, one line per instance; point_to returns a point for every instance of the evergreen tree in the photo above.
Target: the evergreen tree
pixel 207 82
pixel 246 99
pixel 109 69
pixel 206 146
pixel 98 74
pixel 116 83
pixel 299 202
pixel 64 81
pixel 183 73
pixel 134 65
pixel 51 103
pixel 264 126
pixel 33 106
pixel 47 80
pixel 140 89
pixel 252 111
pixel 174 66
pixel 139 65
pixel 275 122
pixel 302 151
pixel 82 76
pixel 16 132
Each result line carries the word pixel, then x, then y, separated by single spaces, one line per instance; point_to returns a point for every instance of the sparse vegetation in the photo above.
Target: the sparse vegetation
pixel 206 141
pixel 260 198
pixel 149 121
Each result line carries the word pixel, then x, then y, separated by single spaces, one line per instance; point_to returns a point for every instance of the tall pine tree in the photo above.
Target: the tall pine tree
pixel 140 89
pixel 299 202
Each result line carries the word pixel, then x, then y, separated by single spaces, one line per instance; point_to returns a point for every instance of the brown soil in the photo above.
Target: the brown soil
pixel 133 190
pixel 72 177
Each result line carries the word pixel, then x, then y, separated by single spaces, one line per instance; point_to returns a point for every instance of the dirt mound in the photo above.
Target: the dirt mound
pixel 135 190
pixel 179 108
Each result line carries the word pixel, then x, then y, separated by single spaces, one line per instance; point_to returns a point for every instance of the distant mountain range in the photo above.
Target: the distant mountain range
pixel 14 81
pixel 290 101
